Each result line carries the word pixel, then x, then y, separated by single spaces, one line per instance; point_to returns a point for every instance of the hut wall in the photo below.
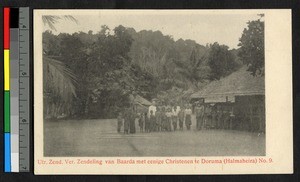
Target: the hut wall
pixel 249 113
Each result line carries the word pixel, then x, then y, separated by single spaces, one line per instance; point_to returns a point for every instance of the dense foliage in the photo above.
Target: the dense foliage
pixel 221 61
pixel 106 67
pixel 252 50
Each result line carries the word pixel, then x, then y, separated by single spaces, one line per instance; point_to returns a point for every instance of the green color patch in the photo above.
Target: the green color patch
pixel 6 111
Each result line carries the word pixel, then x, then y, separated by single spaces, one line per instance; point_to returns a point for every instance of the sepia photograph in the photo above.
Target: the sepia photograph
pixel 147 84
pixel 162 91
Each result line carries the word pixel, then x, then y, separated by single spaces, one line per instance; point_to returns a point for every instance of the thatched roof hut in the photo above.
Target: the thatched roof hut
pixel 239 83
pixel 140 103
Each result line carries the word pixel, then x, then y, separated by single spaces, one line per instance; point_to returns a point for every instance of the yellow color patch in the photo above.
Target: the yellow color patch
pixel 6 71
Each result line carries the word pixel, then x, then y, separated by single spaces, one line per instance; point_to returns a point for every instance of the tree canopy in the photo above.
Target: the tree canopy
pixel 110 65
pixel 252 50
pixel 221 61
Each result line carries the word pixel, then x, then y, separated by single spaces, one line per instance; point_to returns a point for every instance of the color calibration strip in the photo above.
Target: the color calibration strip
pixel 16 90
pixel 7 143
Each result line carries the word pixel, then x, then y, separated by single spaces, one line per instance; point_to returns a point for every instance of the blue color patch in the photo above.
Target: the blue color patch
pixel 7 154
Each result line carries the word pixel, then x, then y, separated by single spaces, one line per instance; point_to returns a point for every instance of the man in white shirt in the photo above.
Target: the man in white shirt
pixel 152 108
pixel 175 110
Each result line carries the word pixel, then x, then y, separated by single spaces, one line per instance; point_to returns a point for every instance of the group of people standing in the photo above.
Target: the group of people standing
pixel 172 118
pixel 127 119
pixel 157 118
pixel 213 117
pixel 165 118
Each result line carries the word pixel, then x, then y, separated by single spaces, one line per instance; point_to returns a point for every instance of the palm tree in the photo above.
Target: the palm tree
pixel 59 81
pixel 193 71
pixel 50 20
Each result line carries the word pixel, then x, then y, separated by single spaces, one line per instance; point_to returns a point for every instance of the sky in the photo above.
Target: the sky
pixel 224 28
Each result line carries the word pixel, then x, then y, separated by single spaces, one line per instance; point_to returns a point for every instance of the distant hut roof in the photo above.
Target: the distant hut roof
pixel 137 99
pixel 238 83
pixel 141 104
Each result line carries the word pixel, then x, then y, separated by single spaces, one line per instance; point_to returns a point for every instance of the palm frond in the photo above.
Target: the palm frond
pixel 69 17
pixel 60 80
pixel 50 20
